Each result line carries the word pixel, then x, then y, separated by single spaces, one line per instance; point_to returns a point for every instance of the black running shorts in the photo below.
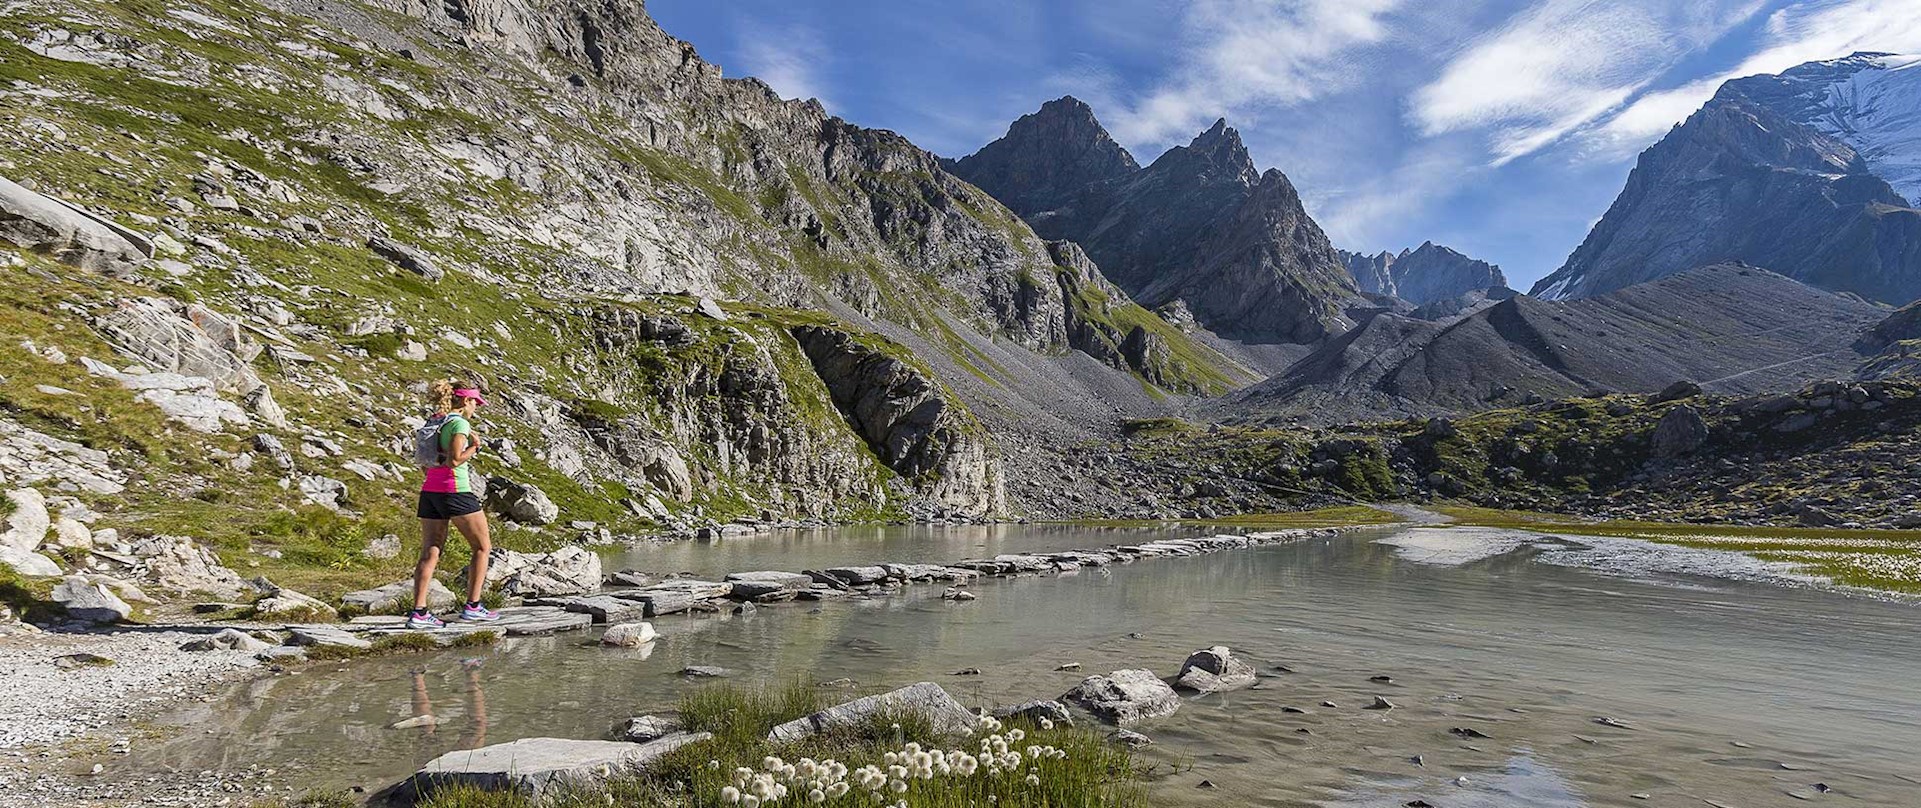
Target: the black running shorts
pixel 436 505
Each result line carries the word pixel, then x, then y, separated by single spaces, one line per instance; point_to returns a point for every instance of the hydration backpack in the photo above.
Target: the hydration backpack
pixel 427 453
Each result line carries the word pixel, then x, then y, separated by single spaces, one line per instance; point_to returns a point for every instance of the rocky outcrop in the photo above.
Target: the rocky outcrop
pixel 567 571
pixel 179 564
pixel 68 233
pixel 1423 275
pixel 520 502
pixel 908 421
pixel 1104 324
pixel 1761 175
pixel 1680 431
pixel 1201 225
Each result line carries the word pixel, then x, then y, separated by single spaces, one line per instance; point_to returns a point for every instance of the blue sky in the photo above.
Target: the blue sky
pixel 1502 128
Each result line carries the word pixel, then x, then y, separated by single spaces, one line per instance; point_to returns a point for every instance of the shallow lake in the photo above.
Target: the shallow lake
pixel 1728 693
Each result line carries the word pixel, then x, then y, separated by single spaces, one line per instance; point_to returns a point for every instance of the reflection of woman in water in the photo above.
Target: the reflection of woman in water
pixel 476 734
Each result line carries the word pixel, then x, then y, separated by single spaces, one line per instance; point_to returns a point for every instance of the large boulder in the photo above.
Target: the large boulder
pixel 1212 670
pixel 520 502
pixel 406 257
pixel 566 571
pixel 1681 431
pixel 67 232
pixel 1124 697
pixel 26 527
pixel 926 699
pixel 31 564
pixel 177 563
pixel 188 339
pixel 92 602
pixel 536 766
pixel 629 635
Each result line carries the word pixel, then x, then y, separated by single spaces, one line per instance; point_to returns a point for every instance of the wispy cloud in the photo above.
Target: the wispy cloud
pixel 1243 53
pixel 789 58
pixel 1563 63
pixel 1794 35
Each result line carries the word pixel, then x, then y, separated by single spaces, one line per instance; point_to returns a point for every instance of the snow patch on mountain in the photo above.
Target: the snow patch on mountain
pixel 1872 102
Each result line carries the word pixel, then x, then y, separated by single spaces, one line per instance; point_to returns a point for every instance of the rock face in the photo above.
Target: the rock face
pixel 1787 172
pixel 908 421
pixel 68 233
pixel 1124 697
pixel 1213 670
pixel 520 502
pixel 924 698
pixel 1738 329
pixel 1046 158
pixel 1423 275
pixel 1201 225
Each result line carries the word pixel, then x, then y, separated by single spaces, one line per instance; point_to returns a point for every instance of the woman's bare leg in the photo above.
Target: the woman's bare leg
pixel 473 526
pixel 433 533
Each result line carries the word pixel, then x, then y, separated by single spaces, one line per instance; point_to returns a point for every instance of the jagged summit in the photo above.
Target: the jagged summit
pixel 1423 275
pixel 1045 157
pixel 1202 225
pixel 1795 172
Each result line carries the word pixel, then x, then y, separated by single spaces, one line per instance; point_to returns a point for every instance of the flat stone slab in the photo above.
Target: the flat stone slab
pixel 397 595
pixel 673 597
pixel 602 608
pixel 325 635
pixel 515 621
pixel 533 766
pixel 924 698
pixel 768 584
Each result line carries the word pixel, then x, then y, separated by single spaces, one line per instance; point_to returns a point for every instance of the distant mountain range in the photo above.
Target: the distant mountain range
pixel 1422 275
pixel 1812 173
pixel 1200 227
pixel 1732 328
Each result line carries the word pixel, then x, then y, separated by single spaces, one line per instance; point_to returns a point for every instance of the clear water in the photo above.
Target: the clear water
pixel 1737 694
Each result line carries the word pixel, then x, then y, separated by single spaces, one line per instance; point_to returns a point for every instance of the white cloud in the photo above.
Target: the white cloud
pixel 1795 35
pixel 1245 53
pixel 788 58
pixel 1563 63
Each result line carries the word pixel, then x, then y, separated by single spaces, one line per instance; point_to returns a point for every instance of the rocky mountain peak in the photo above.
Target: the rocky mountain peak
pixel 1045 157
pixel 1422 275
pixel 1214 155
pixel 1790 172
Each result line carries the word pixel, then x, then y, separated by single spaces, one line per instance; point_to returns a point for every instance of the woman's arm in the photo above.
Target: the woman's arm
pixel 464 449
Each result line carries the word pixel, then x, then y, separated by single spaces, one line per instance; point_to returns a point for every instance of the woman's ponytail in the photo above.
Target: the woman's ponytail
pixel 440 395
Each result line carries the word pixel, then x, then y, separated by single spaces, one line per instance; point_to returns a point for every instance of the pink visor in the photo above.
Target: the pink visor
pixel 469 392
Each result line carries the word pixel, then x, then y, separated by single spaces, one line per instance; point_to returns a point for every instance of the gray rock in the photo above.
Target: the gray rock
pixel 628 635
pixel 1677 391
pixel 68 233
pixel 313 635
pixel 323 491
pixel 603 608
pixel 768 585
pixel 1036 710
pixel 382 547
pixel 520 502
pixel 1212 670
pixel 926 699
pixel 705 672
pixel 89 601
pixel 27 526
pixel 567 571
pixel 1681 431
pixel 229 639
pixel 1130 739
pixel 1124 697
pixel 285 604
pixel 177 563
pixel 708 307
pixel 397 596
pixel 644 728
pixel 536 766
pixel 406 257
pixel 31 564
pixel 183 339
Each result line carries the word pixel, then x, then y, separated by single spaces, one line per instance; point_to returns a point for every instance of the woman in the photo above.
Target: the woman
pixel 450 496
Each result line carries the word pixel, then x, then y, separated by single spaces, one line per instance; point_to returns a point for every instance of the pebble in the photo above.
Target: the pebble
pixel 1467 732
pixel 1380 704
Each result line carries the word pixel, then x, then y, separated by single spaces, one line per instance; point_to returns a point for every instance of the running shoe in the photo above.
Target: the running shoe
pixel 425 620
pixel 478 614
